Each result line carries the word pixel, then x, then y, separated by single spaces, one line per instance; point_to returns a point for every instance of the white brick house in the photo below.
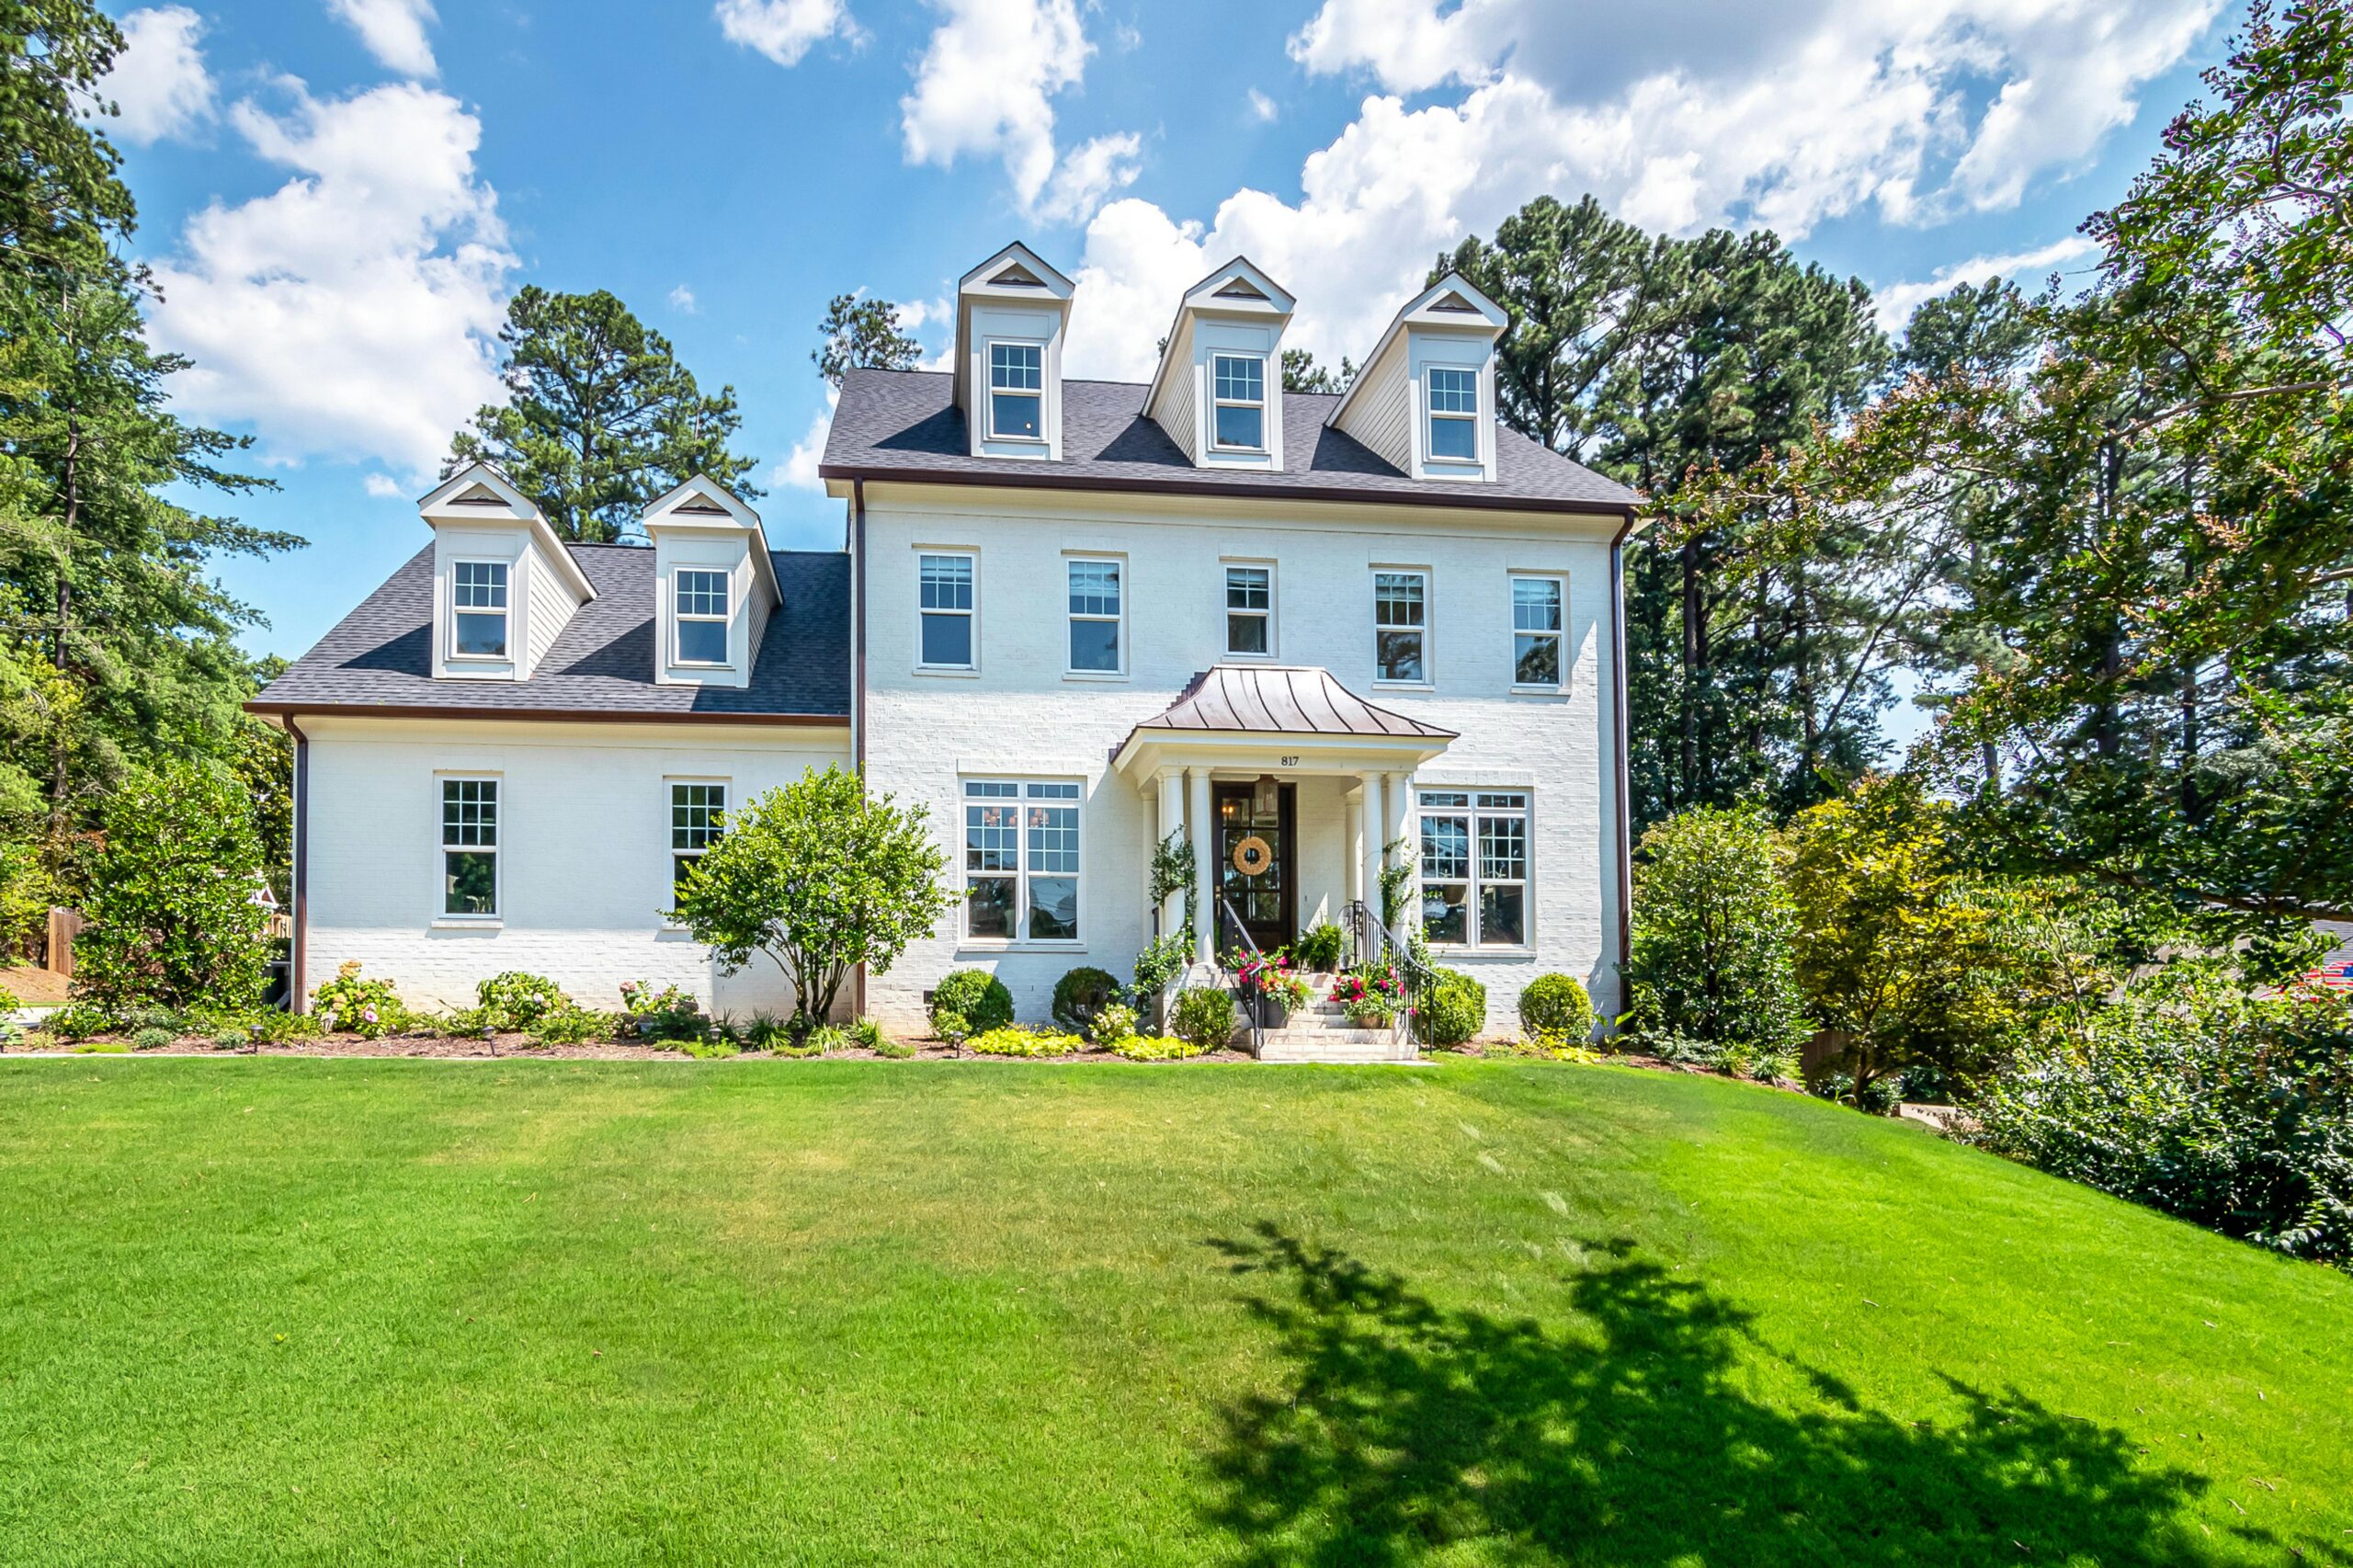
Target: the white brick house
pixel 1070 617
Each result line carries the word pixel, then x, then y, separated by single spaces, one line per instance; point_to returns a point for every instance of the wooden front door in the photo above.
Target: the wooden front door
pixel 1266 900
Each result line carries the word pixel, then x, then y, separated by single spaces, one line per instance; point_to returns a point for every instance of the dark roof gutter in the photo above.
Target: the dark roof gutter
pixel 1346 495
pixel 1625 855
pixel 558 715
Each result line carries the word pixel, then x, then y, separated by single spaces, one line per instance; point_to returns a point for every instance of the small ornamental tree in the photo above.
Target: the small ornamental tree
pixel 170 902
pixel 822 877
pixel 1712 931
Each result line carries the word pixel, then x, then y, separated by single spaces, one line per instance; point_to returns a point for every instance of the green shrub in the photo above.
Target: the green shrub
pixel 1153 1048
pixel 516 1001
pixel 152 1039
pixel 896 1050
pixel 80 1020
pixel 152 1017
pixel 1451 1008
pixel 669 1015
pixel 571 1023
pixel 1162 960
pixel 1713 927
pixel 703 1048
pixel 1320 946
pixel 170 895
pixel 978 998
pixel 1014 1040
pixel 229 1039
pixel 1555 1007
pixel 827 1038
pixel 1113 1022
pixel 1080 994
pixel 359 1006
pixel 1203 1018
pixel 868 1034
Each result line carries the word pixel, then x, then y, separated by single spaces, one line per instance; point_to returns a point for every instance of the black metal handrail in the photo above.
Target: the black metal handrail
pixel 1225 905
pixel 1374 943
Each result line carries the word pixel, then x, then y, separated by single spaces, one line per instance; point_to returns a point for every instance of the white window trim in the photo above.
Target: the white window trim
pixel 670 851
pixel 1430 618
pixel 989 389
pixel 1475 419
pixel 1475 948
pixel 1559 580
pixel 973 614
pixel 1263 405
pixel 1070 615
pixel 1020 941
pixel 505 612
pixel 442 849
pixel 1226 611
pixel 724 619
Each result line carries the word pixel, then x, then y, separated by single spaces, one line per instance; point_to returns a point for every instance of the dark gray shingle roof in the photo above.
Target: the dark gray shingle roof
pixel 381 655
pixel 904 424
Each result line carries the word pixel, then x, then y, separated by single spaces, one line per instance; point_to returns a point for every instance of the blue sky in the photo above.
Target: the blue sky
pixel 338 195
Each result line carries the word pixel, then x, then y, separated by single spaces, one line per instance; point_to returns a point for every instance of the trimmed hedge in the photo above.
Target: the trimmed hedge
pixel 1080 994
pixel 975 997
pixel 1557 1005
pixel 1451 1008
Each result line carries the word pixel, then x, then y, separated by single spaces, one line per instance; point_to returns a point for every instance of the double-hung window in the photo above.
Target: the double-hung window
pixel 1536 632
pixel 1017 392
pixel 1020 860
pixel 1250 610
pixel 1474 868
pixel 1401 626
pixel 944 599
pixel 470 847
pixel 1238 414
pixel 1094 617
pixel 477 610
pixel 695 812
pixel 702 617
pixel 1454 415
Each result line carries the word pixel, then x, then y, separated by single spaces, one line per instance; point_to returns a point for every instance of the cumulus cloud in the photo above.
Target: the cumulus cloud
pixel 784 30
pixel 352 313
pixel 394 31
pixel 384 487
pixel 158 84
pixel 2027 268
pixel 798 470
pixel 1679 115
pixel 985 86
pixel 682 299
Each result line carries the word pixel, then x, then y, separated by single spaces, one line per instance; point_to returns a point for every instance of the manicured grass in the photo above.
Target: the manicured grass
pixel 265 1312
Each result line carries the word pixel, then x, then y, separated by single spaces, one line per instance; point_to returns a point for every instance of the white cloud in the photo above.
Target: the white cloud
pixel 682 299
pixel 384 487
pixel 784 30
pixel 394 31
pixel 158 82
pixel 983 87
pixel 798 470
pixel 1678 116
pixel 2027 269
pixel 1264 109
pixel 352 313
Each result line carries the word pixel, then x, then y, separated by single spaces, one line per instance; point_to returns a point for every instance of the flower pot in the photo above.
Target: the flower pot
pixel 1272 1011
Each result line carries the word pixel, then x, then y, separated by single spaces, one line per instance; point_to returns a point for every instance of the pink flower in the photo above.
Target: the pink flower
pixel 369 1014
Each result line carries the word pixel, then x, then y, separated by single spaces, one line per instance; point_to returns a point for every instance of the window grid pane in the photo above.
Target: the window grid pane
pixel 480 584
pixel 1015 367
pixel 702 593
pixel 1535 603
pixel 1095 587
pixel 1397 599
pixel 947 582
pixel 695 811
pixel 470 813
pixel 1454 391
pixel 1248 587
pixel 1241 381
pixel 1021 860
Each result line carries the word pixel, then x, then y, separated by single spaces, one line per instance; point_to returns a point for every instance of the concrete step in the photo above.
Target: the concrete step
pixel 1324 1049
pixel 1325 1036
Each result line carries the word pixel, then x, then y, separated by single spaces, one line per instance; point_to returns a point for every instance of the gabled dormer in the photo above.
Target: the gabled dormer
pixel 1426 399
pixel 1011 312
pixel 714 585
pixel 504 584
pixel 1219 390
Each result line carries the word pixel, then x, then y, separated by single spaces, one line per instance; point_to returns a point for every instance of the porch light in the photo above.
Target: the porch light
pixel 1266 795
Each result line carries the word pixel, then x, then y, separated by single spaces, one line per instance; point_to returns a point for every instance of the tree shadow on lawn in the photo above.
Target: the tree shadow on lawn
pixel 1628 1438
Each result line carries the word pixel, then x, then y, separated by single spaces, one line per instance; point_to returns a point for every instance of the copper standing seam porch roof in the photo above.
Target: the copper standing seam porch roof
pixel 1280 700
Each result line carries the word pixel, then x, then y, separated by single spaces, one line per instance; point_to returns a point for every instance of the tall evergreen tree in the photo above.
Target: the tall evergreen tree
pixel 602 419
pixel 860 335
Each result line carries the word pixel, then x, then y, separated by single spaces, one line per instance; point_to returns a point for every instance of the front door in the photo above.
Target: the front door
pixel 1265 842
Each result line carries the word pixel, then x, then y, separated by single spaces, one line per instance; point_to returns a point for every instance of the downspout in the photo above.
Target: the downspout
pixel 298 993
pixel 1625 774
pixel 857 663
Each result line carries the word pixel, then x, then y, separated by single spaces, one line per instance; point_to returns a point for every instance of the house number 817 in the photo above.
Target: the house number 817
pixel 1290 762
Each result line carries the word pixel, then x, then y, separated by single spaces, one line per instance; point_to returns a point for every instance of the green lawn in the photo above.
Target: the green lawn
pixel 358 1311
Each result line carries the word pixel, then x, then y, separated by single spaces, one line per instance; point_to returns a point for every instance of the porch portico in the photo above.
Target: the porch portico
pixel 1282 782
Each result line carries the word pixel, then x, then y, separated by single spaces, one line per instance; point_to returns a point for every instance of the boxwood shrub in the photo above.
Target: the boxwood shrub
pixel 1451 1008
pixel 1080 994
pixel 1556 1005
pixel 975 997
pixel 1204 1019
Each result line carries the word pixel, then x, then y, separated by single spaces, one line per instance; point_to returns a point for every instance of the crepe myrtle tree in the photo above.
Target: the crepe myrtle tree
pixel 821 876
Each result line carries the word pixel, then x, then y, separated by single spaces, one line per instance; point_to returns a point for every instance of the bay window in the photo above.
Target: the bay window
pixel 1021 849
pixel 1474 868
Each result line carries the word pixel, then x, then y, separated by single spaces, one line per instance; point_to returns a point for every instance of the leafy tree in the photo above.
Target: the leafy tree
pixel 170 896
pixel 822 877
pixel 862 334
pixel 602 419
pixel 1302 374
pixel 1713 929
pixel 62 204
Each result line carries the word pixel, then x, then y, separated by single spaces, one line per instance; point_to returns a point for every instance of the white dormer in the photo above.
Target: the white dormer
pixel 1427 398
pixel 1010 316
pixel 504 584
pixel 1219 390
pixel 714 585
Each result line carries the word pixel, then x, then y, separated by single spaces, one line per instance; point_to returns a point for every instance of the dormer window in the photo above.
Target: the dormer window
pixel 478 606
pixel 702 616
pixel 1017 392
pixel 1239 422
pixel 1454 415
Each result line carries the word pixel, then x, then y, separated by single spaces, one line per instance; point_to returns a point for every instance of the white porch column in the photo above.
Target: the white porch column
pixel 1204 835
pixel 1375 819
pixel 1351 853
pixel 1171 820
pixel 1400 825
